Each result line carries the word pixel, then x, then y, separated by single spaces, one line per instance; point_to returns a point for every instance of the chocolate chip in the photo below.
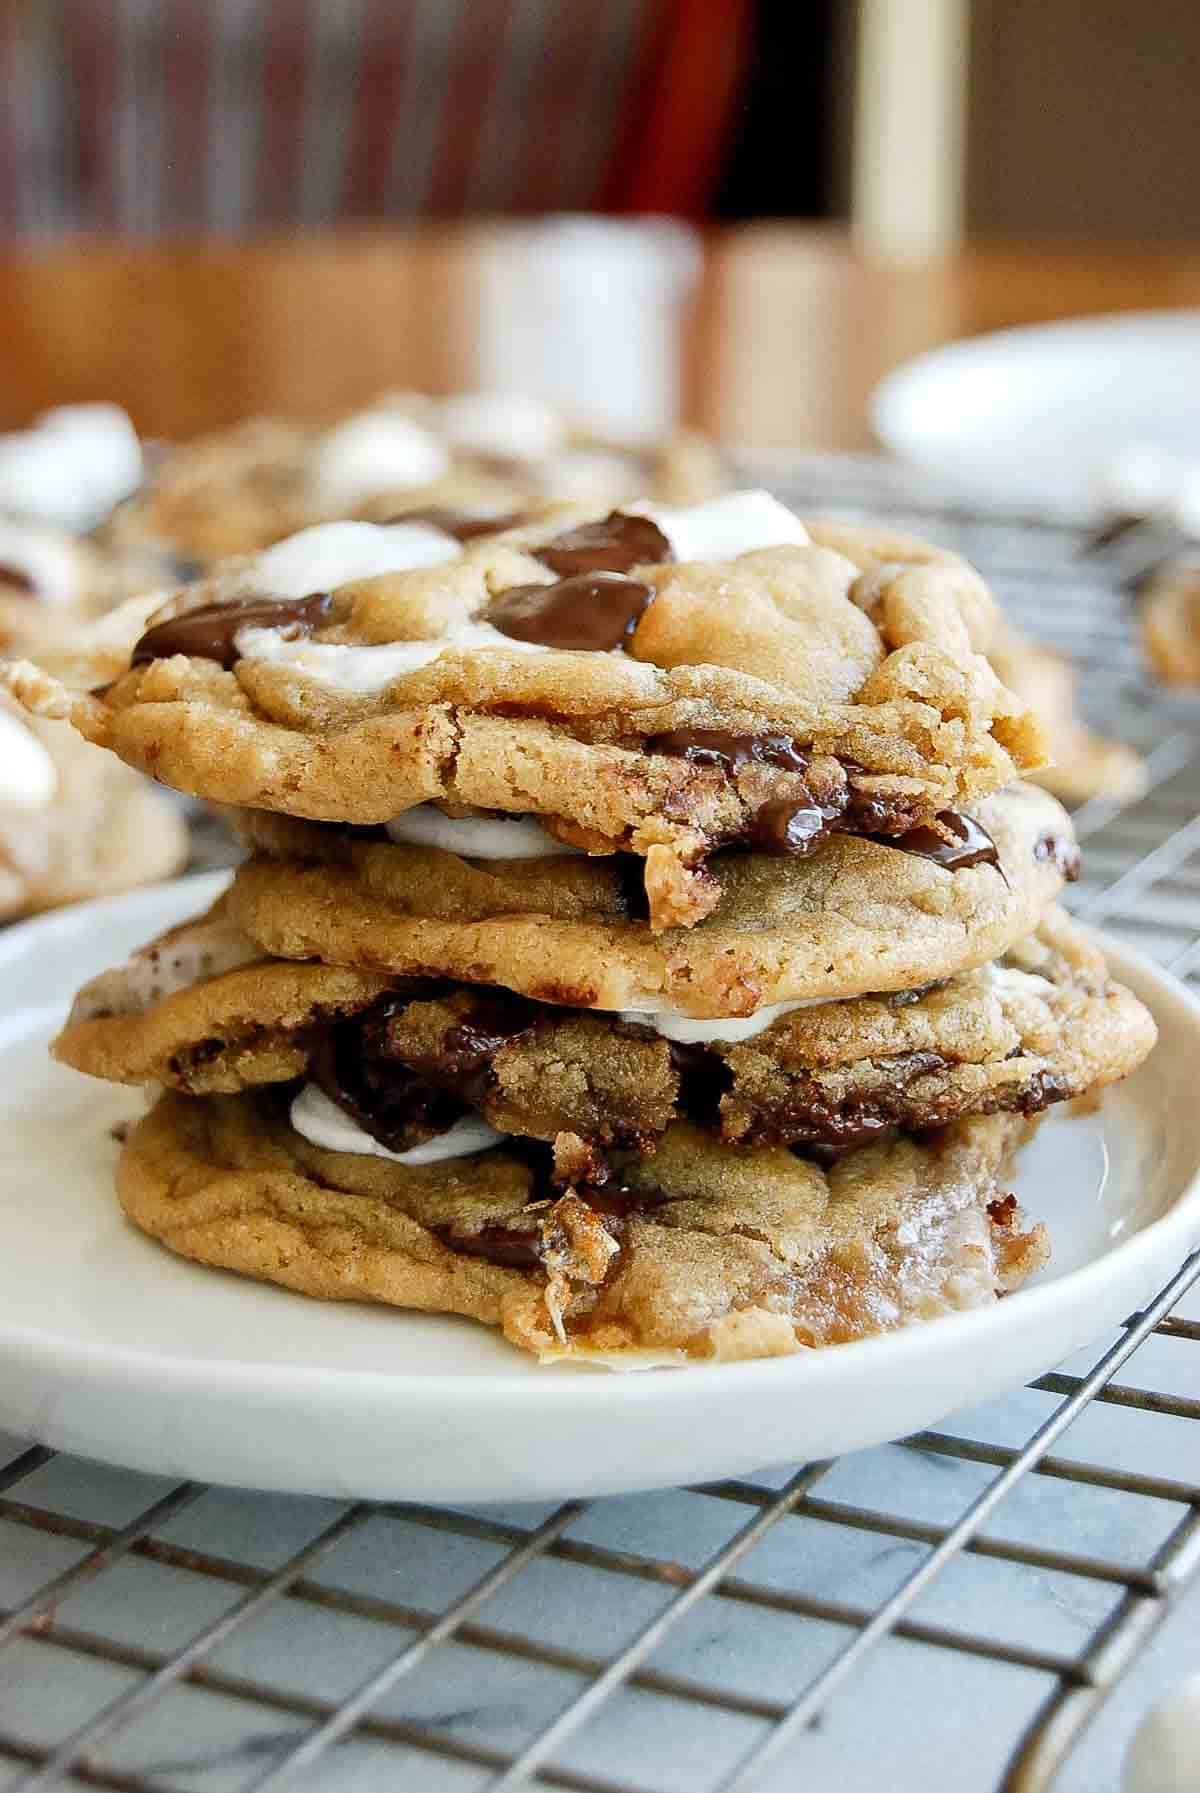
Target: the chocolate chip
pixel 208 632
pixel 464 526
pixel 592 612
pixel 614 545
pixel 1063 854
pixel 510 1248
pixel 788 828
pixel 494 1018
pixel 351 1062
pixel 963 844
pixel 721 747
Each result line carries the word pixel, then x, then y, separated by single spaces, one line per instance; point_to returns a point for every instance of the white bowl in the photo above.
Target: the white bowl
pixel 111 1347
pixel 1032 416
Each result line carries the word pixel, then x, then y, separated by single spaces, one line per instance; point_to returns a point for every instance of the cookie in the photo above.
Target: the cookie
pixel 52 584
pixel 74 822
pixel 243 488
pixel 1082 764
pixel 1170 613
pixel 572 669
pixel 860 916
pixel 699 1253
pixel 197 1012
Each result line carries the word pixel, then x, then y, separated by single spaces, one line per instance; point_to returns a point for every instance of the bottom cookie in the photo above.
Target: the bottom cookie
pixel 698 1252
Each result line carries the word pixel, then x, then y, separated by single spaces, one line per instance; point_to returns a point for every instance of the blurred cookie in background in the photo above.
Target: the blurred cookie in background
pixel 1082 764
pixel 244 488
pixel 1170 612
pixel 74 822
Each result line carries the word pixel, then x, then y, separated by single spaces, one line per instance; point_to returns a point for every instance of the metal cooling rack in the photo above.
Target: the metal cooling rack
pixel 950 1612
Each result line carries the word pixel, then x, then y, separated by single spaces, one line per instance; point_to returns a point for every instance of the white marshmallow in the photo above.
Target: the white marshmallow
pixel 28 776
pixel 72 467
pixel 510 425
pixel 373 452
pixel 724 527
pixel 1137 481
pixel 1164 1756
pixel 585 475
pixel 366 669
pixel 476 837
pixel 688 1031
pixel 50 562
pixel 332 554
pixel 324 1124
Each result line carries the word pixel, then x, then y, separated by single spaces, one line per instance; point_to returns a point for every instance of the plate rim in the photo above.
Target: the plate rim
pixel 121 1366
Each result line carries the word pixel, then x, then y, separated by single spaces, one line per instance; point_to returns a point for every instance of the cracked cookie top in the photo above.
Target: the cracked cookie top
pixel 659 682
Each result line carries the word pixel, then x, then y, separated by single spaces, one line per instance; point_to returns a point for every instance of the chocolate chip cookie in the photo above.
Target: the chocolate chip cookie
pixel 697 1253
pixel 666 683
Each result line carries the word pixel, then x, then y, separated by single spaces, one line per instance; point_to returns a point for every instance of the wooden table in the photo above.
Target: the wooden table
pixel 788 333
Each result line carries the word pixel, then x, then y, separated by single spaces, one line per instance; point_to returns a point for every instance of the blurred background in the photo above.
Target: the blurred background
pixel 211 207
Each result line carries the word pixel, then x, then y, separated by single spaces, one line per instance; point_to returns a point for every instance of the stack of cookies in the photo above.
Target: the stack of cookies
pixel 647 944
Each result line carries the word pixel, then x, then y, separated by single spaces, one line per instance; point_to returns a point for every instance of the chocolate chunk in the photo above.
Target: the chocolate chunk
pixel 968 844
pixel 614 545
pixel 703 1080
pixel 593 612
pixel 787 828
pixel 16 580
pixel 207 633
pixel 1064 854
pixel 353 1066
pixel 464 526
pixel 511 1248
pixel 720 747
pixel 494 1018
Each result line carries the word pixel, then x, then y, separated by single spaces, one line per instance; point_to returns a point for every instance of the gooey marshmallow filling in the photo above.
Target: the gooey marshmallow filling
pixel 319 1120
pixel 724 527
pixel 476 837
pixel 72 467
pixel 48 561
pixel 508 425
pixel 687 1030
pixel 373 451
pixel 333 554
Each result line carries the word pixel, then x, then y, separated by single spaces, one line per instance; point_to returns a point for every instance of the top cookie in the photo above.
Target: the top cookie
pixel 662 682
pixel 243 488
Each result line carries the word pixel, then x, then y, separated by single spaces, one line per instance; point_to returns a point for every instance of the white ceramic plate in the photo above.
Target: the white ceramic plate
pixel 1031 416
pixel 111 1347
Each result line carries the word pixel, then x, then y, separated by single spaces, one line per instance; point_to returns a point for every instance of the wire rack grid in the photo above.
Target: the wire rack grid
pixel 955 1609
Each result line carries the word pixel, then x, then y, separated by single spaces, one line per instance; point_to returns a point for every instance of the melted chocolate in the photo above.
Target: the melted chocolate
pixel 720 747
pixel 595 612
pixel 791 828
pixel 464 526
pixel 352 1064
pixel 614 545
pixel 704 1078
pixel 511 1248
pixel 969 843
pixel 1063 853
pixel 494 1018
pixel 520 1248
pixel 16 580
pixel 207 633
